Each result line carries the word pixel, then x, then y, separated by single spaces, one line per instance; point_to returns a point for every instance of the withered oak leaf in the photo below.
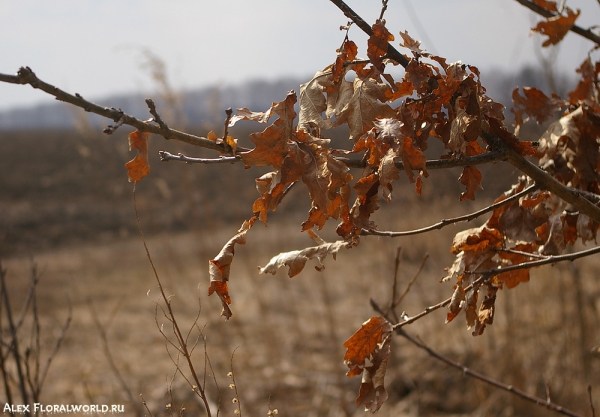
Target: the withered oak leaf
pixel 138 167
pixel 378 44
pixel 536 104
pixel 296 260
pixel 364 342
pixel 272 144
pixel 219 268
pixel 556 27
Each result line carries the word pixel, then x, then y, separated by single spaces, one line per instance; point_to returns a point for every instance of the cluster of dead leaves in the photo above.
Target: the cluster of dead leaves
pixel 390 123
pixel 440 100
pixel 537 224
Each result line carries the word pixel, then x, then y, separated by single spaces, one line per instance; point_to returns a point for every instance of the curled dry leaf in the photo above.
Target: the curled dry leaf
pixel 272 144
pixel 556 27
pixel 296 260
pixel 367 353
pixel 219 267
pixel 138 167
pixel 378 44
pixel 536 104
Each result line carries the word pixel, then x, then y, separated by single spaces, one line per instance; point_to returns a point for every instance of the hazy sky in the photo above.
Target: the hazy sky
pixel 95 47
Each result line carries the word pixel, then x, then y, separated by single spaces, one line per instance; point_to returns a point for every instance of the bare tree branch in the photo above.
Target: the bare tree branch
pixel 445 222
pixel 546 181
pixel 484 378
pixel 490 273
pixel 27 76
pixel 166 156
pixel 392 52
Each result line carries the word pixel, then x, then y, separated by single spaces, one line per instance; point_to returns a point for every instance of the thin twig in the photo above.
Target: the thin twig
pixel 180 339
pixel 490 273
pixel 589 390
pixel 109 357
pixel 228 113
pixel 110 129
pixel 392 52
pixel 233 386
pixel 384 4
pixel 167 156
pixel 57 344
pixel 434 164
pixel 586 33
pixel 484 378
pixel 446 222
pixel 397 261
pixel 26 76
pixel 15 344
pixel 156 116
pixel 468 371
pixel 544 180
pixel 397 302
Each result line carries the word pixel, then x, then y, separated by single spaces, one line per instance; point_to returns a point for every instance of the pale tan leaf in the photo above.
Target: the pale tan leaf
pixel 296 260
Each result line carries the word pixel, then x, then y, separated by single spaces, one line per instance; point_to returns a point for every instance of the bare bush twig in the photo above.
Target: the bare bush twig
pixel 182 345
pixel 487 275
pixel 111 362
pixel 167 156
pixel 546 403
pixel 446 222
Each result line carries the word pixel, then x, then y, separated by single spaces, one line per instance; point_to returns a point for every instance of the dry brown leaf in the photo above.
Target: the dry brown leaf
pixel 487 308
pixel 296 260
pixel 378 44
pixel 313 102
pixel 361 345
pixel 411 44
pixel 138 167
pixel 367 104
pixel 536 104
pixel 272 144
pixel 556 27
pixel 455 306
pixel 372 393
pixel 219 268
pixel 478 239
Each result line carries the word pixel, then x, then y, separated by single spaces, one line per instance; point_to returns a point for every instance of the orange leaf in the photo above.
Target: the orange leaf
pixel 536 104
pixel 362 344
pixel 372 393
pixel 272 144
pixel 548 5
pixel 219 267
pixel 378 44
pixel 556 27
pixel 585 90
pixel 471 177
pixel 138 167
pixel 487 308
pixel 478 239
pixel 347 52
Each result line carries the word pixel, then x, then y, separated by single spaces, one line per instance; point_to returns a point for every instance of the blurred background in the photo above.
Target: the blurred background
pixel 66 206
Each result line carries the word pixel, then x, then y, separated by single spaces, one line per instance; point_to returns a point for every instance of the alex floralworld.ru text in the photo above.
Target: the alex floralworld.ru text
pixel 63 408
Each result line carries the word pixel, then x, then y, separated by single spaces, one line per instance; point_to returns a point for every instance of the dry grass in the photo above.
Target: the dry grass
pixel 289 332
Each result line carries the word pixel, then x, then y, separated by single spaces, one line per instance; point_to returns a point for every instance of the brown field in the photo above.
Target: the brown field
pixel 66 206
